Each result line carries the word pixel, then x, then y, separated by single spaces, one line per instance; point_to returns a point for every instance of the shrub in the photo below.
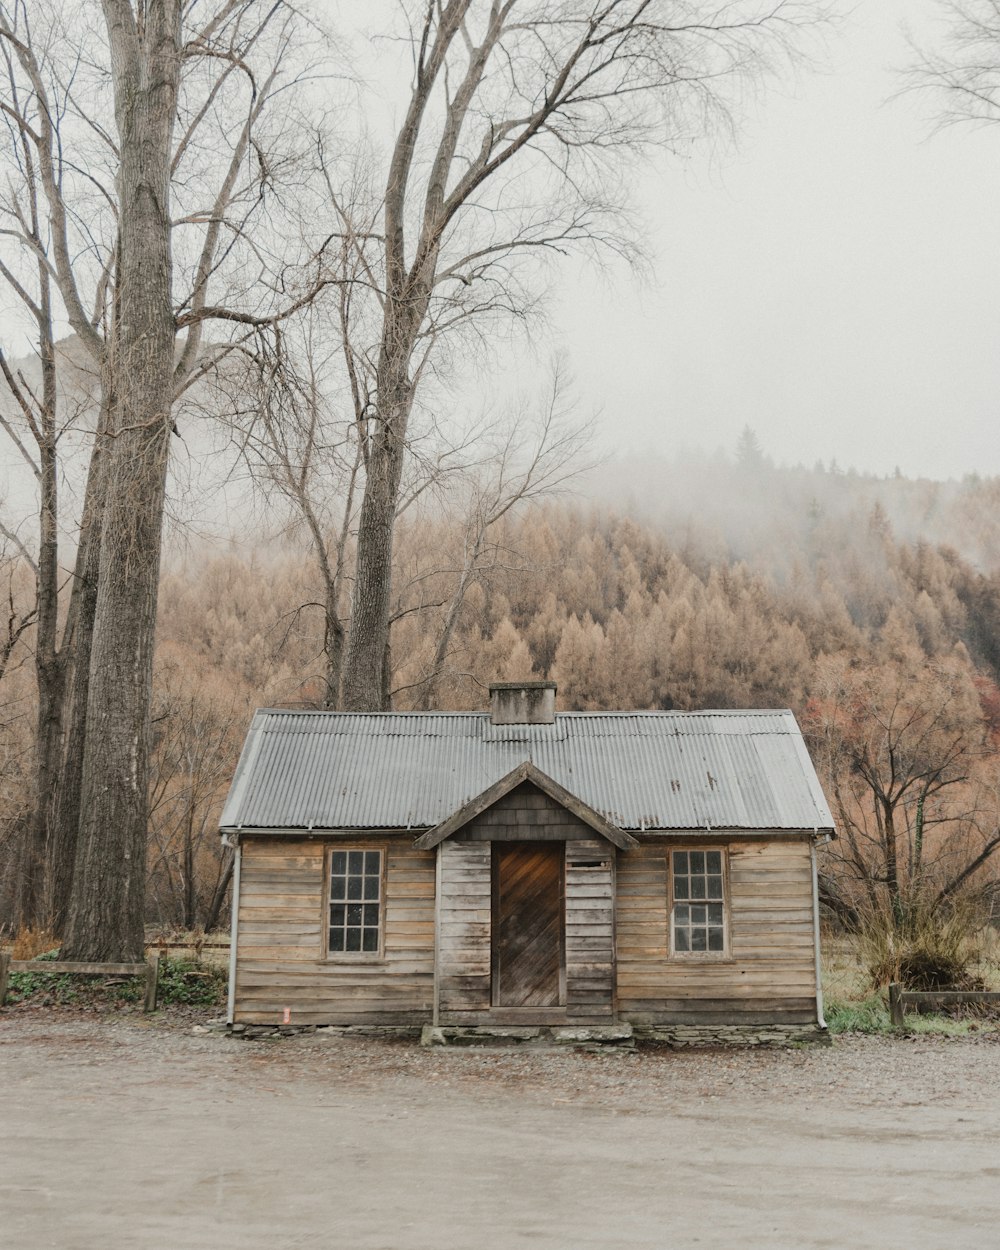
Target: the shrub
pixel 926 948
pixel 192 983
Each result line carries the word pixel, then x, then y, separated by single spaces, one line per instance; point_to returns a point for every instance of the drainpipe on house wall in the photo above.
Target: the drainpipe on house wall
pixel 234 931
pixel 439 853
pixel 817 841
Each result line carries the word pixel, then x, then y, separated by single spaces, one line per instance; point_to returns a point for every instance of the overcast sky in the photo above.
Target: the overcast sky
pixel 835 284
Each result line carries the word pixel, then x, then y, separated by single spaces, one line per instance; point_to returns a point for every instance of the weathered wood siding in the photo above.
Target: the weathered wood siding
pixel 281 938
pixel 617 953
pixel 464 927
pixel 526 814
pixel 771 974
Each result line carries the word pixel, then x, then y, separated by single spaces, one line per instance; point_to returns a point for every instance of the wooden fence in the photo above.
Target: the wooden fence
pixel 900 1000
pixel 150 969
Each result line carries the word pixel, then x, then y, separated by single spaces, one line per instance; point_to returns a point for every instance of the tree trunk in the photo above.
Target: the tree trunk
pixel 105 919
pixel 190 893
pixel 333 646
pixel 363 679
pixel 219 894
pixel 428 698
pixel 77 644
pixel 891 859
pixel 31 904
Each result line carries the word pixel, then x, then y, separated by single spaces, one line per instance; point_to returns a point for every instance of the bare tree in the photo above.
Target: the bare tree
pixel 900 745
pixel 962 74
pixel 299 444
pixel 197 725
pixel 520 121
pixel 39 420
pixel 18 617
pixel 156 217
pixel 529 458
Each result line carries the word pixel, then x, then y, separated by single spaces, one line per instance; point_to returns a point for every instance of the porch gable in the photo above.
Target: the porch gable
pixel 525 772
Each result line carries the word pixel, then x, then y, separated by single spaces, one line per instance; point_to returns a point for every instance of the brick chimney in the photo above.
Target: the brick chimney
pixel 522 702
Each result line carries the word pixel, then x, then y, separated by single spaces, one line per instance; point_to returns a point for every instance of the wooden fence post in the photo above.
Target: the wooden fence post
pixel 152 981
pixel 895 1005
pixel 4 972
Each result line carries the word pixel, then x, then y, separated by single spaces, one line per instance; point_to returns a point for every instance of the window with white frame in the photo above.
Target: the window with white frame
pixel 355 902
pixel 698 917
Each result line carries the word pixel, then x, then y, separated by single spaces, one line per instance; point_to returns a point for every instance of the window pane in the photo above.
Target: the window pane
pixel 355 900
pixel 698 887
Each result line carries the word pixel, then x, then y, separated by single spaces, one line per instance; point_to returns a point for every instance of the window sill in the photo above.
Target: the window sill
pixel 702 957
pixel 352 957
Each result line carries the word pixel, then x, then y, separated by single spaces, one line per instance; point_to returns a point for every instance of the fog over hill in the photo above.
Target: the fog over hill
pixel 776 516
pixel 728 505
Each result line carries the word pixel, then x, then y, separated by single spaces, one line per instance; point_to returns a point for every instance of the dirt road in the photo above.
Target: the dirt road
pixel 118 1133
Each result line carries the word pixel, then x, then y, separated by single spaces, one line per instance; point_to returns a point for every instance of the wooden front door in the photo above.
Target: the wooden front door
pixel 528 926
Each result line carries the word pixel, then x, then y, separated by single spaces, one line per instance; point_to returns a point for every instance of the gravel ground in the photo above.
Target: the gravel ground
pixel 122 1131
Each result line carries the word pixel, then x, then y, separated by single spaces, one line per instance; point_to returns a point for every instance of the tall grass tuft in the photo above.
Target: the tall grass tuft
pixel 924 948
pixel 30 943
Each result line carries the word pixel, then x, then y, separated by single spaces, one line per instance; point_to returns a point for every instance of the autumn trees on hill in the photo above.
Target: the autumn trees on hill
pixel 621 617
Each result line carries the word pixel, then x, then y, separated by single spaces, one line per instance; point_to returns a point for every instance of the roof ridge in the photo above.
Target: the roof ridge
pixel 704 711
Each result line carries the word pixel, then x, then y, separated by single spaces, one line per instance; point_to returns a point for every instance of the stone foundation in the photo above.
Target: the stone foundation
pixel 683 1035
pixel 589 1037
pixel 271 1032
pixel 582 1037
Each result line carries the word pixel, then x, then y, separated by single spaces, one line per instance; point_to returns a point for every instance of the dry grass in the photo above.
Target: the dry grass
pixel 31 942
pixel 926 948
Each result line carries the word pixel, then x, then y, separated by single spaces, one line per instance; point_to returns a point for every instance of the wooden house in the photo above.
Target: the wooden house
pixel 652 871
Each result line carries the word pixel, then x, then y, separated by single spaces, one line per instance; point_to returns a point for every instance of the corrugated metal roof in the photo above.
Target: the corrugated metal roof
pixel 641 770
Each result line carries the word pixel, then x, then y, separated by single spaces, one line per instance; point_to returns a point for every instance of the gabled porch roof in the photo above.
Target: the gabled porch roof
pixel 525 772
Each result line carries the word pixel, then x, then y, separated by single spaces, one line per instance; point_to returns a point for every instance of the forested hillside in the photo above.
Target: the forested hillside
pixel 814 602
